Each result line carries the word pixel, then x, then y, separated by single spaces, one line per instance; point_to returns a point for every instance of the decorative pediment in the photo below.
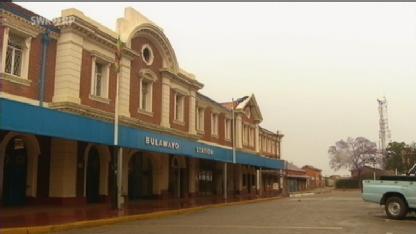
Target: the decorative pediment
pixel 134 24
pixel 250 108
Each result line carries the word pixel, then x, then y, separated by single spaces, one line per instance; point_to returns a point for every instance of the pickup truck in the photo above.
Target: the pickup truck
pixel 396 193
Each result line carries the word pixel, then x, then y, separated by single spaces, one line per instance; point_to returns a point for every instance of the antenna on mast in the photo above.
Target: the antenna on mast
pixel 384 131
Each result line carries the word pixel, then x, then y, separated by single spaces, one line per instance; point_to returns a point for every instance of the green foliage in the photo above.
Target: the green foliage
pixel 347 183
pixel 400 156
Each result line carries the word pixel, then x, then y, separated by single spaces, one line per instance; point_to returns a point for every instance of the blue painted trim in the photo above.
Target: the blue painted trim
pixel 44 61
pixel 21 117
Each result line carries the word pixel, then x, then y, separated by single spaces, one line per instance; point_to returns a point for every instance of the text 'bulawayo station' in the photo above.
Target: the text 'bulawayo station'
pixel 161 143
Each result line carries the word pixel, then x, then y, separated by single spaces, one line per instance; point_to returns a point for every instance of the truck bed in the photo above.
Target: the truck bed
pixel 398 178
pixel 374 190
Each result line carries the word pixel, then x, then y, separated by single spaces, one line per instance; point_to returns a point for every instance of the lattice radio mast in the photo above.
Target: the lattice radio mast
pixel 384 132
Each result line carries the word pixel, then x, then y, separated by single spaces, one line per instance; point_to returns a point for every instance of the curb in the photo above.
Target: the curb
pixel 120 219
pixel 301 194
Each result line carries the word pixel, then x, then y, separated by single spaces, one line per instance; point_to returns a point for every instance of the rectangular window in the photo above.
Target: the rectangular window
pixel 277 148
pixel 260 142
pixel 214 124
pixel 273 147
pixel 200 119
pixel 100 79
pixel 245 134
pixel 14 55
pixel 146 95
pixel 251 137
pixel 179 107
pixel 228 129
pixel 268 146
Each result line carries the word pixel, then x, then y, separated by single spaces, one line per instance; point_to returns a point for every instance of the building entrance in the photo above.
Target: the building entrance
pixel 15 172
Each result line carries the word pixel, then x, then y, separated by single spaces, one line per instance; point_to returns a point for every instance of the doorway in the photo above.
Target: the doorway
pixel 93 176
pixel 15 172
pixel 178 177
pixel 140 175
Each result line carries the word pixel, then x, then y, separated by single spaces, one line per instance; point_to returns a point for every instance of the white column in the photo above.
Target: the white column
pixel 125 174
pixel 258 181
pixel 165 102
pixel 124 95
pixel 4 47
pixel 225 181
pixel 257 138
pixel 239 135
pixel 192 175
pixel 63 168
pixel 279 148
pixel 239 177
pixel 282 175
pixel 120 198
pixel 68 68
pixel 192 119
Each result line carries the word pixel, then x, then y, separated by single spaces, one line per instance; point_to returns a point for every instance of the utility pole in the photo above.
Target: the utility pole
pixel 118 151
pixel 234 126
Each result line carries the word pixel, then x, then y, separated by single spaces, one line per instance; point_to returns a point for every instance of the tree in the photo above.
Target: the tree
pixel 400 156
pixel 353 154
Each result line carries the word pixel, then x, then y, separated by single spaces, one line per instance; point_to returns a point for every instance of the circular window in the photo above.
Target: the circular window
pixel 147 54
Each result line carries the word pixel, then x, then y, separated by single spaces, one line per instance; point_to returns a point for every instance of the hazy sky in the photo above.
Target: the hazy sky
pixel 316 68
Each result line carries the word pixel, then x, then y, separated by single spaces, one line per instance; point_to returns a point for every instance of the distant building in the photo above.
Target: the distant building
pixel 315 179
pixel 296 178
pixel 366 172
pixel 331 180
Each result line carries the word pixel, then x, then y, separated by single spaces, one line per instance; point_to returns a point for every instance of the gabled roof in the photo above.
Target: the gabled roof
pixel 202 96
pixel 293 167
pixel 241 103
pixel 311 167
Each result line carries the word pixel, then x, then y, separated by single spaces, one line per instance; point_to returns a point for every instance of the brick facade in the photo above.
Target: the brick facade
pixel 136 65
pixel 62 166
pixel 31 90
pixel 315 179
pixel 86 83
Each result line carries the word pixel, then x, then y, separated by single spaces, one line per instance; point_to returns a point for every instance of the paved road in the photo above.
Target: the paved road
pixel 334 212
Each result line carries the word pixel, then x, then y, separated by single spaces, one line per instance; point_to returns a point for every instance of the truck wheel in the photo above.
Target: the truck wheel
pixel 396 208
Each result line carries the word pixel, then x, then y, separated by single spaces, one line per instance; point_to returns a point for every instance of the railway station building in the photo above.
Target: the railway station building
pixel 61 93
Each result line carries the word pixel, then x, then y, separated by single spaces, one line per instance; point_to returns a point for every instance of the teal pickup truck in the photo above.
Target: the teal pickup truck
pixel 396 193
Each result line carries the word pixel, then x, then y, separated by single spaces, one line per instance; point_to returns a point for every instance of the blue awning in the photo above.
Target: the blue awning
pixel 21 117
